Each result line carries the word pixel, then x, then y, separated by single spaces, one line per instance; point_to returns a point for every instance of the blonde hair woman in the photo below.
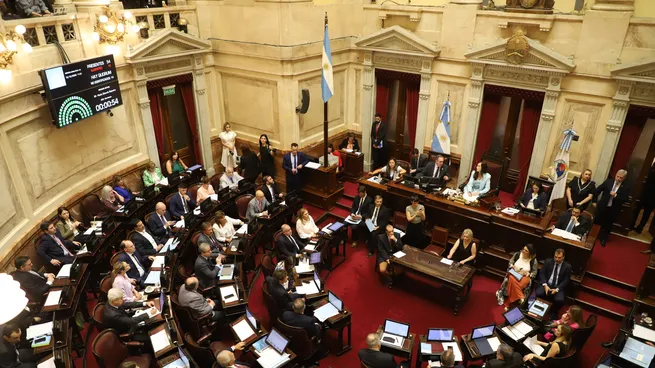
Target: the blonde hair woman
pixel 464 249
pixel 121 281
pixel 152 175
pixel 305 225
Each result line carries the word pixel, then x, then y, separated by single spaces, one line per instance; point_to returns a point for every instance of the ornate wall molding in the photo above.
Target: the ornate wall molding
pixel 398 61
pixel 513 75
pixel 144 105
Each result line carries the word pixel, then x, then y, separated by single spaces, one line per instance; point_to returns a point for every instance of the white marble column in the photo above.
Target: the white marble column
pixel 614 5
pixel 472 121
pixel 545 125
pixel 146 115
pixel 368 107
pixel 620 104
pixel 423 104
pixel 203 115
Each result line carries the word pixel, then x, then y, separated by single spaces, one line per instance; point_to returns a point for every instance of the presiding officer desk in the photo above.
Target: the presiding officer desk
pixel 501 235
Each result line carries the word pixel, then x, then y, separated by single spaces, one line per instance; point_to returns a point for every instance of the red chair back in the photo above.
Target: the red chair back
pixel 114 258
pixel 193 191
pixel 92 207
pixel 215 181
pixel 194 238
pixel 108 349
pixel 242 205
pixel 267 265
pixel 106 283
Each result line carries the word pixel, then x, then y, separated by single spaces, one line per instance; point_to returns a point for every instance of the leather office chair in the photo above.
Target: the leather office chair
pixel 404 164
pixel 197 327
pixel 146 219
pixel 439 241
pixel 546 185
pixel 271 305
pixel 273 246
pixel 106 284
pixel 566 361
pixel 363 365
pixel 98 317
pixel 111 352
pixel 194 238
pixel 300 343
pixel 114 258
pixel 215 181
pixel 400 220
pixel 205 356
pixel 581 335
pixel 242 205
pixel 92 207
pixel 168 200
pixel 193 191
pixel 268 267
pixel 446 158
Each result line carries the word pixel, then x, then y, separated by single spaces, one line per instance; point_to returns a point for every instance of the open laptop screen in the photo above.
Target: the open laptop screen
pixel 483 331
pixel 335 301
pixel 251 318
pixel 277 341
pixel 315 258
pixel 440 334
pixel 396 328
pixel 317 280
pixel 513 315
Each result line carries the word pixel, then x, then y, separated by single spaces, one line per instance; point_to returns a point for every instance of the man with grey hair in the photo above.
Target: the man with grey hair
pixel 205 266
pixel 374 358
pixel 230 179
pixel 613 194
pixel 188 296
pixel 257 206
pixel 116 313
pixel 226 357
pixel 505 358
pixel 297 318
pixel 288 244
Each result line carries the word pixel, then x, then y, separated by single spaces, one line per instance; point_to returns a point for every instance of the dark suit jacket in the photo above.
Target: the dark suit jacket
pixel 381 134
pixel 648 190
pixel 49 249
pixel 8 355
pixel 177 208
pixel 286 247
pixel 250 166
pixel 580 229
pixel 383 215
pixel 157 227
pixel 287 164
pixel 307 323
pixel 428 170
pixel 540 202
pixel 206 272
pixel 604 191
pixel 368 202
pixel 385 248
pixel 516 362
pixel 216 245
pixel 564 273
pixel 344 144
pixel 143 245
pixel 377 359
pixel 33 285
pixel 120 320
pixel 283 299
pixel 267 193
pixel 419 162
pixel 133 273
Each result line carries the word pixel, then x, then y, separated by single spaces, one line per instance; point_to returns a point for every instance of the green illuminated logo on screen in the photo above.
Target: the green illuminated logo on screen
pixel 74 109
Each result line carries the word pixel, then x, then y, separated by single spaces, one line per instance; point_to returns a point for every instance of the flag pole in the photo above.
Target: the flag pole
pixel 325 120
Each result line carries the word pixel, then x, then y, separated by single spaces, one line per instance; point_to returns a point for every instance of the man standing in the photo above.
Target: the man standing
pixel 189 297
pixel 572 222
pixel 379 216
pixel 35 284
pixel 438 170
pixel 378 145
pixel 292 163
pixel 257 206
pixel 181 203
pixel 53 248
pixel 360 206
pixel 613 193
pixel 230 179
pixel 554 276
pixel 647 201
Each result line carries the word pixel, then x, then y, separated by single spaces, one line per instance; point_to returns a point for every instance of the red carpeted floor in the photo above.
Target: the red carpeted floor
pixel 620 259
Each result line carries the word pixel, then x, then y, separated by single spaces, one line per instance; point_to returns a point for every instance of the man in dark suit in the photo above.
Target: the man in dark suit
pixel 116 314
pixel 505 358
pixel 160 222
pixel 207 236
pixel 35 284
pixel 181 203
pixel 436 169
pixel 53 248
pixel 554 276
pixel 143 240
pixel 613 193
pixel 288 244
pixel 292 163
pixel 418 162
pixel 206 266
pixel 388 243
pixel 374 358
pixel 226 358
pixel 379 216
pixel 297 318
pixel 139 264
pixel 378 144
pixel 11 356
pixel 278 287
pixel 360 206
pixel 271 190
pixel 573 222
pixel 647 201
pixel 350 142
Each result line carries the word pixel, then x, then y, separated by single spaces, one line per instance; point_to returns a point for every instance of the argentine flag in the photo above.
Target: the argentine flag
pixel 327 84
pixel 441 137
pixel 560 169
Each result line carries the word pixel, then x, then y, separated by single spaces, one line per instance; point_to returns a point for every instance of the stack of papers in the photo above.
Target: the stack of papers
pixel 510 211
pixel 313 165
pixel 469 197
pixel 270 358
pixel 50 363
pixel 229 294
pixel 531 343
pixel 326 311
pixel 326 228
pixel 163 182
pixel 53 298
pixel 399 254
pixel 148 312
pixel 243 230
pixel 179 224
pixel 518 331
pixel 447 261
pixel 160 340
pixel 170 245
pixel 304 267
pixel 214 197
pixel 310 247
pixel 38 330
pixel 643 333
pixel 243 330
pixel 64 271
pixel 565 234
pixel 350 220
pixel 458 353
pixel 494 343
pixel 158 262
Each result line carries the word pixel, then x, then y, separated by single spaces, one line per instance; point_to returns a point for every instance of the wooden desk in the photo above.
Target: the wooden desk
pixel 404 352
pixel 338 323
pixel 161 363
pixel 59 338
pixel 470 350
pixel 437 350
pixel 292 356
pixel 235 307
pixel 311 298
pixel 259 332
pixel 353 164
pixel 457 278
pixel 162 328
pixel 65 281
pixel 320 186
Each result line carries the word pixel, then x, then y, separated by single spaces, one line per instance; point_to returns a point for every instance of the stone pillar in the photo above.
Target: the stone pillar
pixel 368 107
pixel 423 103
pixel 146 116
pixel 203 115
pixel 472 122
pixel 614 5
pixel 545 125
pixel 620 104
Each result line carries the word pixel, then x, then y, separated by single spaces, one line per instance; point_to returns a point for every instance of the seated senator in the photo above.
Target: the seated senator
pixel 205 190
pixel 523 263
pixel 53 248
pixel 573 317
pixel 223 227
pixel 124 282
pixel 465 249
pixel 189 297
pixel 271 191
pixel 12 354
pixel 181 204
pixel 391 171
pixel 554 276
pixel 572 222
pixel 35 284
pixel 226 358
pixel 110 198
pixel 205 266
pixel 278 287
pixel 506 357
pixel 388 244
pixel 418 161
pixel 289 244
pixel 297 318
pixel 160 222
pixel 534 198
pixel 207 236
pixel 448 359
pixel 151 175
pixel 257 206
pixel 121 188
pixel 146 243
pixel 349 143
pixel 305 226
pixel 374 358
pixel 479 181
pixel 437 170
pixel 139 264
pixel 555 349
pixel 230 179
pixel 68 226
pixel 174 164
pixel 118 314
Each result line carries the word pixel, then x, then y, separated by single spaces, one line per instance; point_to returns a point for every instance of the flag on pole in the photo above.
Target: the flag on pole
pixel 327 84
pixel 441 137
pixel 561 166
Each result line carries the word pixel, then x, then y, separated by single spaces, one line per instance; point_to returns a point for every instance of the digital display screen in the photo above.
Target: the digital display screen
pixel 399 329
pixel 317 280
pixel 277 341
pixel 251 318
pixel 332 299
pixel 483 331
pixel 513 315
pixel 82 89
pixel 315 258
pixel 439 334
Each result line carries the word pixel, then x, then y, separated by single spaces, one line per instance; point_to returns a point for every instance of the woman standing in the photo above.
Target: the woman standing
pixel 305 225
pixel 228 140
pixel 465 249
pixel 67 226
pixel 175 164
pixel 415 214
pixel 266 153
pixel 479 181
pixel 151 175
pixel 555 349
pixel 121 281
pixel 522 270
pixel 580 191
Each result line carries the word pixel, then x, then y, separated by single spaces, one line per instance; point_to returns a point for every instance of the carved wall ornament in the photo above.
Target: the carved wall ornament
pixel 554 82
pixel 623 90
pixel 493 73
pixel 198 61
pixel 424 96
pixel 517 47
pixel 528 4
pixel 612 128
pixel 144 105
pixel 168 66
pixel 368 87
pixel 139 71
pixel 547 117
pixel 398 61
pixel 200 92
pixel 474 104
pixel 477 72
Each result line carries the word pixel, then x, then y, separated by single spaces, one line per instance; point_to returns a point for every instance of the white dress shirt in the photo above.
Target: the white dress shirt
pixel 531 202
pixel 137 264
pixel 306 230
pixel 149 237
pixel 227 231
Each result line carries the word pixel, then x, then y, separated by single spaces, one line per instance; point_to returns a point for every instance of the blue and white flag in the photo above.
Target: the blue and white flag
pixel 441 137
pixel 560 169
pixel 327 83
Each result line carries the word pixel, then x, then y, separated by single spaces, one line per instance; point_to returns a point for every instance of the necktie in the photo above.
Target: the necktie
pixel 436 170
pixel 186 209
pixel 375 216
pixel 231 181
pixel 294 242
pixel 615 187
pixel 571 224
pixel 138 265
pixel 295 162
pixel 66 252
pixel 377 129
pixel 359 208
pixel 259 205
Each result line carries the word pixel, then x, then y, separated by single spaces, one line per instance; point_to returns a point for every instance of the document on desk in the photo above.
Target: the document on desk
pixel 426 348
pixel 455 347
pixel 270 358
pixel 163 182
pixel 374 179
pixel 447 261
pixel 523 328
pixel 310 247
pixel 510 211
pixel 325 311
pixel 312 165
pixel 153 278
pixel 637 352
pixel 229 294
pixel 512 333
pixel 643 333
pixel 565 234
pixel 50 363
pixel 64 271
pixel 179 224
pixel 196 211
pixel 469 197
pixel 243 330
pixel 399 254
pixel 164 249
pixel 494 343
pixel 38 330
pixel 160 340
pixel 304 267
pixel 307 289
pixel 243 230
pixel 352 221
pixel 53 298
pixel 147 311
pixel 158 262
pixel 213 197
pixel 531 343
pixel 370 225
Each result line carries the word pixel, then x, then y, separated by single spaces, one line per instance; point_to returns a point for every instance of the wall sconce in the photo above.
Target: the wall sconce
pixel 182 25
pixel 9 44
pixel 143 30
pixel 110 28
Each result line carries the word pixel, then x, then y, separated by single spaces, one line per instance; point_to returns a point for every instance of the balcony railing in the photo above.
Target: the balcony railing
pixel 48 30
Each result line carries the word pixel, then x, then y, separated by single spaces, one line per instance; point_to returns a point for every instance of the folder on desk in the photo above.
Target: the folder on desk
pixel 370 225
pixel 153 278
pixel 64 271
pixel 53 298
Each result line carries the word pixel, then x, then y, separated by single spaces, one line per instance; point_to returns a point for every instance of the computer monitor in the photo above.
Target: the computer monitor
pixel 336 226
pixel 183 358
pixel 315 257
pixel 162 300
pixel 396 328
pixel 484 331
pixel 194 168
pixel 336 302
pixel 513 315
pixel 317 280
pixel 277 341
pixel 244 183
pixel 149 191
pixel 206 206
pixel 440 334
pixel 260 344
pixel 174 179
pixel 251 318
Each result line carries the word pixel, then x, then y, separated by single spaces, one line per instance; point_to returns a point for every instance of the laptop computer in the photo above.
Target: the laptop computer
pixel 394 333
pixel 330 309
pixel 251 319
pixel 315 258
pixel 440 334
pixel 277 341
pixel 513 316
pixel 479 337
